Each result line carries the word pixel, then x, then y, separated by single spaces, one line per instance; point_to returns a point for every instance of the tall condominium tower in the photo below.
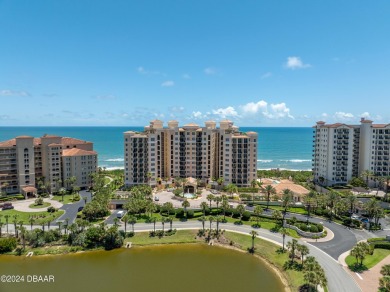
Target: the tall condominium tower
pixel 25 160
pixel 342 151
pixel 190 151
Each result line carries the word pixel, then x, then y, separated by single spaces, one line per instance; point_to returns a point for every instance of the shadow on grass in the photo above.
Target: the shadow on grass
pixel 292 265
pixel 357 268
pixel 238 222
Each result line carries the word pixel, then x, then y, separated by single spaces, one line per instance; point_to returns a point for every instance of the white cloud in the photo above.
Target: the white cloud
pixel 168 83
pixel 105 97
pixel 9 92
pixel 295 63
pixel 272 111
pixel 343 116
pixel 198 115
pixel 177 109
pixel 365 115
pixel 266 75
pixel 186 76
pixel 226 112
pixel 324 115
pixel 210 71
pixel 253 107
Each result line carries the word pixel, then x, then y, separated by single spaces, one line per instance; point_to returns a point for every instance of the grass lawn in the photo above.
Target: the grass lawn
pixel 67 199
pixel 35 206
pixel 269 251
pixel 370 260
pixel 181 236
pixel 297 210
pixel 24 216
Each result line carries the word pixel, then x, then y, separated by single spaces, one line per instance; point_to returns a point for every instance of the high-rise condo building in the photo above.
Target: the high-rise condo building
pixel 342 151
pixel 203 153
pixel 25 160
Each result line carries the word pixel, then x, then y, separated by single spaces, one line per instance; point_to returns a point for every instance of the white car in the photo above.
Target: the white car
pixel 156 198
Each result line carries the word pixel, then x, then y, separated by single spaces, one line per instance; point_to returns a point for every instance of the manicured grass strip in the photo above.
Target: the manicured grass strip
pixel 67 199
pixel 44 205
pixel 370 260
pixel 181 236
pixel 24 216
pixel 269 251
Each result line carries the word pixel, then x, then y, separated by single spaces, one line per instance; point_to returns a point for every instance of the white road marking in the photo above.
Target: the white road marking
pixel 359 276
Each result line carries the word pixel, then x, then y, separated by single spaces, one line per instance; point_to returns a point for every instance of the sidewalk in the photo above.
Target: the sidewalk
pixel 329 236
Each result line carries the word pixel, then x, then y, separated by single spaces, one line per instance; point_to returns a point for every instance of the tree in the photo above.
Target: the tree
pixel 32 221
pixel 217 201
pixel 240 209
pixel 149 177
pixel 366 174
pixel 168 207
pixel 384 283
pixel 332 197
pixel 6 220
pixel 224 207
pixel 303 251
pixel 385 270
pixel 210 198
pixel 352 201
pixel 211 219
pixel 373 209
pixel 62 193
pixel 292 247
pixel 314 274
pixel 283 232
pixel 185 205
pixel 360 251
pixel 163 220
pixel 231 189
pixel 277 215
pixel 309 201
pixel 150 208
pixel 204 206
pixel 253 233
pixel 287 200
pixel 203 219
pixel 132 220
pixel 1 228
pixel 15 221
pixel 218 220
pixel 170 220
pixel 23 231
pixel 220 181
pixel 153 220
pixel 253 185
pixel 270 190
pixel 258 210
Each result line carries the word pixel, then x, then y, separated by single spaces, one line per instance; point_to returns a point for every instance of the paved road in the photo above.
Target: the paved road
pixel 72 209
pixel 110 219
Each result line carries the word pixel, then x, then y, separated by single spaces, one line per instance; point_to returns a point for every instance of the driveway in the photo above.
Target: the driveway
pixel 71 210
pixel 23 206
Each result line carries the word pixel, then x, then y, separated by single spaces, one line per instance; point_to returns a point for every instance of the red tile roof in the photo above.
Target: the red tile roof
pixel 77 152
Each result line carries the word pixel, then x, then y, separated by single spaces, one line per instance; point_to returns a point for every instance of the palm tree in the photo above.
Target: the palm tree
pixel 384 283
pixel 185 205
pixel 125 220
pixel 231 189
pixel 62 193
pixel 210 198
pixel 163 223
pixel 240 209
pixel 332 197
pixel 6 221
pixel 253 234
pixel 15 221
pixel 253 186
pixel 224 206
pixel 269 190
pixel 277 215
pixel 287 199
pixel 258 210
pixel 385 270
pixel 59 223
pixel 292 246
pixel 217 200
pixel 220 181
pixel 150 208
pixel 1 228
pixel 203 219
pixel 366 174
pixel 170 220
pixel 23 231
pixel 116 221
pixel 149 177
pixel 211 219
pixel 204 206
pixel 303 251
pixel 371 207
pixel 132 220
pixel 168 207
pixel 283 231
pixel 153 220
pixel 218 219
pixel 352 201
pixel 32 221
pixel 309 200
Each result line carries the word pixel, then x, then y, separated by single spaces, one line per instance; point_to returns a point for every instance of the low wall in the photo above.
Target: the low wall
pixel 304 233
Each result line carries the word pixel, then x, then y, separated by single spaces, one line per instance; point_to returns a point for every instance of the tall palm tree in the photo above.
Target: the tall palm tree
pixel 303 251
pixel 231 189
pixel 253 186
pixel 132 220
pixel 309 201
pixel 62 193
pixel 217 200
pixel 240 209
pixel 220 181
pixel 23 231
pixel 332 197
pixel 277 215
pixel 15 221
pixel 283 231
pixel 59 223
pixel 211 219
pixel 170 220
pixel 163 220
pixel 287 200
pixel 366 174
pixel 218 219
pixel 1 228
pixel 203 219
pixel 253 233
pixel 116 222
pixel 270 190
pixel 185 205
pixel 153 220
pixel 292 246
pixel 258 210
pixel 352 201
pixel 224 207
pixel 6 221
pixel 204 206
pixel 32 221
pixel 125 220
pixel 210 198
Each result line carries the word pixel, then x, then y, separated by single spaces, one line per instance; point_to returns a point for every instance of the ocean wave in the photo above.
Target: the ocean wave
pixel 114 168
pixel 115 160
pixel 290 169
pixel 265 160
pixel 296 160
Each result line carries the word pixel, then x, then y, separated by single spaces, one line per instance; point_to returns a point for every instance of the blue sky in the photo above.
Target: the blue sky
pixel 258 63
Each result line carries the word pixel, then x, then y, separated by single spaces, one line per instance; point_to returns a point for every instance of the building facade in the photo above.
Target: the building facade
pixel 203 153
pixel 25 160
pixel 342 151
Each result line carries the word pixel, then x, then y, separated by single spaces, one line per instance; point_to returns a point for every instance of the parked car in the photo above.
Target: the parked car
pixel 80 208
pixel 156 198
pixel 364 220
pixel 356 217
pixel 7 206
pixel 120 214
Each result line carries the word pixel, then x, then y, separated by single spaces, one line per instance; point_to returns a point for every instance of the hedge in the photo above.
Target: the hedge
pixel 381 244
pixel 376 239
pixel 7 244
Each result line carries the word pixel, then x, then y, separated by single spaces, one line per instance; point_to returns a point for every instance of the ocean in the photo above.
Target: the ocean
pixel 284 148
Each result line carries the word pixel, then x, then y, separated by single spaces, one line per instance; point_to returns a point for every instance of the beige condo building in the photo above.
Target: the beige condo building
pixel 190 151
pixel 24 160
pixel 342 151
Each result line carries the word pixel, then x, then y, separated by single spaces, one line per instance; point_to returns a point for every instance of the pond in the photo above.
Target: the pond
pixel 184 268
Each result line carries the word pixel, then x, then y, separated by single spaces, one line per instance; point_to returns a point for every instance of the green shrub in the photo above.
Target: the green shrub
pixel 51 209
pixel 246 216
pixel 320 227
pixel 7 244
pixel 384 245
pixel 179 213
pixel 303 227
pixel 313 228
pixel 190 213
pixel 376 239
